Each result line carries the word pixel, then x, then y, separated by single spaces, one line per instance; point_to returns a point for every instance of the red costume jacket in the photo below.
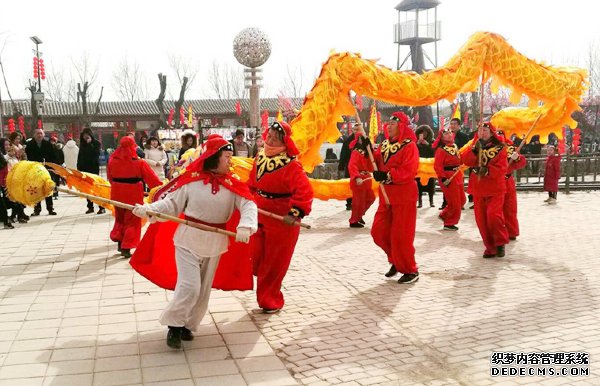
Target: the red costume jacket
pixel 400 159
pixel 280 185
pixel 359 166
pixel 520 163
pixel 126 176
pixel 552 173
pixel 447 161
pixel 493 158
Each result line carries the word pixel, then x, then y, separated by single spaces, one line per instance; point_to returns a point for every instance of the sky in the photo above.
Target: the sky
pixel 302 34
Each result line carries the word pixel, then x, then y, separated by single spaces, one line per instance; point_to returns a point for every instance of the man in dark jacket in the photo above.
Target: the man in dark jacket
pixel 40 150
pixel 88 160
pixel 460 138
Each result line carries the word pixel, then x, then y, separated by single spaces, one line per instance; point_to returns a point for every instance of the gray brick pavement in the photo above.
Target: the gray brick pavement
pixel 72 312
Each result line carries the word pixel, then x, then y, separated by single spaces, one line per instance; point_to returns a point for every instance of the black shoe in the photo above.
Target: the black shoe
pixel 22 220
pixel 450 228
pixel 361 221
pixel 500 250
pixel 118 246
pixel 408 278
pixel 186 334
pixel 90 210
pixel 26 217
pixel 101 210
pixel 420 205
pixel 271 310
pixel 8 225
pixel 487 255
pixel 348 207
pixel 356 225
pixel 36 213
pixel 442 207
pixel 472 206
pixel 393 271
pixel 125 253
pixel 431 204
pixel 51 213
pixel 174 337
pixel 512 238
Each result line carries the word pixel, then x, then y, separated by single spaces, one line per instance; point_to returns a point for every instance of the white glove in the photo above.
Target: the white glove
pixel 243 235
pixel 358 181
pixel 140 210
pixel 514 156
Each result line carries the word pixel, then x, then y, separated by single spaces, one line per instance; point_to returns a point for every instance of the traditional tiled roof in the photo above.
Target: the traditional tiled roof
pixel 132 109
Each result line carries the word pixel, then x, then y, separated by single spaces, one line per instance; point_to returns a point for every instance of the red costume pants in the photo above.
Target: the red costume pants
pixel 510 210
pixel 362 199
pixel 455 200
pixel 394 232
pixel 274 244
pixel 127 229
pixel 489 217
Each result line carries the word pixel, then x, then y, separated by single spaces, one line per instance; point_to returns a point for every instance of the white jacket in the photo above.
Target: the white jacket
pixel 71 151
pixel 154 155
pixel 197 201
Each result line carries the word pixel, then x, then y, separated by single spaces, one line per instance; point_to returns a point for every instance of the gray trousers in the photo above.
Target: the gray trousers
pixel 195 275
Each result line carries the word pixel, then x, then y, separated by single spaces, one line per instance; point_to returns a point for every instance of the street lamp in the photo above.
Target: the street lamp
pixel 37 42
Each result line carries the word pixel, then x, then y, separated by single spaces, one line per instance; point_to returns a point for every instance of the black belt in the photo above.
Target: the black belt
pixel 273 195
pixel 451 167
pixel 132 180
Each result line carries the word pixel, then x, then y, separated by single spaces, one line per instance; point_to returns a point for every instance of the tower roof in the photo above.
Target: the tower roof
pixel 408 5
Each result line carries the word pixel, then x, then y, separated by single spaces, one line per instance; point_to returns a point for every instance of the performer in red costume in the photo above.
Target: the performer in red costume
pixel 488 159
pixel 447 162
pixel 552 174
pixel 126 173
pixel 280 186
pixel 209 194
pixel 515 162
pixel 394 225
pixel 360 168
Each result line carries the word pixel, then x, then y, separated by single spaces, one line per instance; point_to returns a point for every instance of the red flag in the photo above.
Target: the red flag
pixel 238 108
pixel 264 120
pixel 181 115
pixel 171 116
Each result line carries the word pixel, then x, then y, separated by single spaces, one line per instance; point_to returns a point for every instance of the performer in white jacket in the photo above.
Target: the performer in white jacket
pixel 155 156
pixel 208 194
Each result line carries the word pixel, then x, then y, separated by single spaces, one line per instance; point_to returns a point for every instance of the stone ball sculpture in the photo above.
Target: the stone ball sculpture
pixel 251 47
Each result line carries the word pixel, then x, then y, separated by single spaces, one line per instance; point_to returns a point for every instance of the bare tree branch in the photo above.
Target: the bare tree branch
pixel 129 83
pixel 183 68
pixel 226 82
pixel 293 83
pixel 162 79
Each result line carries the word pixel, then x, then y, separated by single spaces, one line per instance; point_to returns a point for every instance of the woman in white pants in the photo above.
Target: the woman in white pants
pixel 208 194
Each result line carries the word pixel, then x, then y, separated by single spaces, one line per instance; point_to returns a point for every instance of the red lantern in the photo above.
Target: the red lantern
pixel 11 125
pixel 115 134
pixel 21 122
pixel 40 124
pixel 359 102
pixel 576 141
pixel 181 115
pixel 238 108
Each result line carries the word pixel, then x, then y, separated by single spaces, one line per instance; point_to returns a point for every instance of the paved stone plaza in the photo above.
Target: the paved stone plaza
pixel 72 312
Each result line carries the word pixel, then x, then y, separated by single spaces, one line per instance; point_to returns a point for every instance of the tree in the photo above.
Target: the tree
pixel 85 73
pixel 58 87
pixel 183 68
pixel 226 82
pixel 129 82
pixel 293 83
pixel 162 79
